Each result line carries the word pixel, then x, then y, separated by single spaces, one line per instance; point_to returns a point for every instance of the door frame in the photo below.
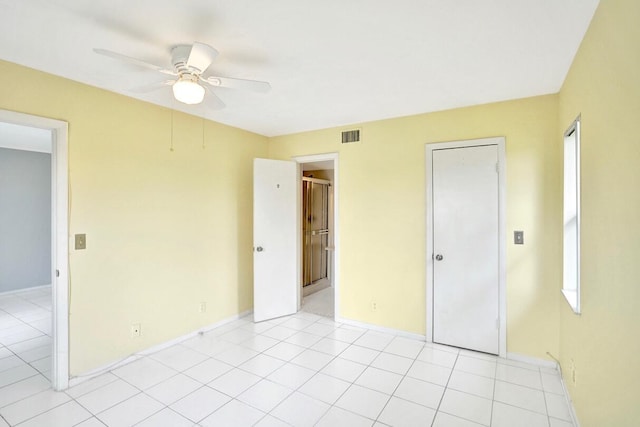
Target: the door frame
pixel 59 238
pixel 300 160
pixel 502 271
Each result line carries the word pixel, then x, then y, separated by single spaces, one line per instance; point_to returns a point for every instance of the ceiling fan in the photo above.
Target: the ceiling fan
pixel 189 85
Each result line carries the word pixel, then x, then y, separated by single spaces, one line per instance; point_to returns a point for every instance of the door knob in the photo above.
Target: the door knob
pixel 439 257
pixel 259 249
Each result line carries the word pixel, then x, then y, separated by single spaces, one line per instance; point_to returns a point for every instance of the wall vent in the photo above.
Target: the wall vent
pixel 349 136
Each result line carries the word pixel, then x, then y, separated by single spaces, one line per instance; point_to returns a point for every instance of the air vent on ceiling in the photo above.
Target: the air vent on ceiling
pixel 349 136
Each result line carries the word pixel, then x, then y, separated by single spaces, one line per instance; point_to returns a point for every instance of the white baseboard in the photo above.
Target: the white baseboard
pixel 382 329
pixel 151 350
pixel 543 363
pixel 17 291
pixel 572 409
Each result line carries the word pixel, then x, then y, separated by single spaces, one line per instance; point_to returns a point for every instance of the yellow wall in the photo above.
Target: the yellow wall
pixel 165 229
pixel 604 86
pixel 382 188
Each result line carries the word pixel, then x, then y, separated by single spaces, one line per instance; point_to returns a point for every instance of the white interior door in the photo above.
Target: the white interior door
pixel 275 271
pixel 466 247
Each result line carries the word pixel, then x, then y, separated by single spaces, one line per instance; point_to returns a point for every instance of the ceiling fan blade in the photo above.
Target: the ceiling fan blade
pixel 201 56
pixel 134 61
pixel 153 86
pixel 212 101
pixel 233 83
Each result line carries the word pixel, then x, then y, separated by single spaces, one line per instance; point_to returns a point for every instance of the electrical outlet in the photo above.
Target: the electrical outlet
pixel 80 241
pixel 135 330
pixel 203 307
pixel 374 306
pixel 573 372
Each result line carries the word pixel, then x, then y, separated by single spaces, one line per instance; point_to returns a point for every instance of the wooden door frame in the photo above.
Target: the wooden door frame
pixel 59 238
pixel 502 275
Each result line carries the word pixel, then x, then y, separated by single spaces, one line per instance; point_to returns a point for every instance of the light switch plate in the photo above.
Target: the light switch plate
pixel 81 241
pixel 518 237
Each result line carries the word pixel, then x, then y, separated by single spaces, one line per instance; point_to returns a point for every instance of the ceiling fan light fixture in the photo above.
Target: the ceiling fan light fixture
pixel 188 91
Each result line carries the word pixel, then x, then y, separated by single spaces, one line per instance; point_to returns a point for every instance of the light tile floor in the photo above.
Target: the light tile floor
pixel 300 370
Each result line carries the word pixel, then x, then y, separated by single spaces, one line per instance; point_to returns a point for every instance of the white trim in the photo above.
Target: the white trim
pixel 59 238
pixel 543 363
pixel 154 349
pixel 383 329
pixel 336 221
pixel 502 192
pixel 572 409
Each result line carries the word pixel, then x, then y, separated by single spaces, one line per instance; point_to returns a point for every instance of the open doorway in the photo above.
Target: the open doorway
pixel 318 234
pixel 35 297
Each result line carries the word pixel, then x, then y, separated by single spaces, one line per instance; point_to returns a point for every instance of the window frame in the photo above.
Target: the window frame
pixel 571 259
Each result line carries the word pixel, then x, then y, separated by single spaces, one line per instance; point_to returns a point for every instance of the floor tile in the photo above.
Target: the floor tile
pixel 42 365
pixel 233 414
pixel 312 359
pixel 200 404
pixel 208 345
pixel 179 358
pixel 520 376
pixel 476 366
pixel 144 373
pixel 257 328
pixel 68 414
pixel 319 329
pixel 518 364
pixel 374 340
pixel 330 346
pixel 236 355
pixel 472 384
pixel 557 406
pixel 262 365
pixel 346 335
pixel 300 410
pixel 504 416
pixel 552 383
pixel 21 389
pixel 10 362
pixel 265 395
pixel 363 401
pixel 478 355
pixel 325 388
pixel 405 347
pixel 467 406
pixel 402 413
pixel 34 405
pixel 279 332
pixel 36 353
pixel 292 376
pixel 359 354
pixel 522 397
pixel 296 323
pixel 234 382
pixel 379 380
pixel 429 372
pixel 237 336
pixel 391 362
pixel 107 396
pixel 421 392
pixel 269 421
pixel 344 369
pixel 303 339
pixel 165 418
pixel 173 389
pixel 91 384
pixel 337 417
pixel 16 374
pixel 284 351
pixel 554 422
pixel 131 411
pixel 91 422
pixel 259 343
pixel 437 357
pixel 446 420
pixel 208 370
pixel 24 346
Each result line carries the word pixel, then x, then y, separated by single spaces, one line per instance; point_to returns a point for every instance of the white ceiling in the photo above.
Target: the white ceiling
pixel 330 62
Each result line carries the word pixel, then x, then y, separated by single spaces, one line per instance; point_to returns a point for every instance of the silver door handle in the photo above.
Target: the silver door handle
pixel 439 257
pixel 259 249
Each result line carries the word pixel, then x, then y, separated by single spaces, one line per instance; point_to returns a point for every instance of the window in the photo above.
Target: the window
pixel 571 217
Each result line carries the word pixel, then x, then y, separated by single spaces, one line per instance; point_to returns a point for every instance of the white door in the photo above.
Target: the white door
pixel 466 248
pixel 275 269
